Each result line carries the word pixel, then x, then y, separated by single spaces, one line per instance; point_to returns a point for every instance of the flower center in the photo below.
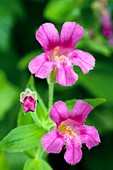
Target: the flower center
pixel 66 129
pixel 57 55
pixel 70 130
pixel 55 52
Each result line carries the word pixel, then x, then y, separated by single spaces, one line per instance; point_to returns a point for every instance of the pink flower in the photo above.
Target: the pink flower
pixel 60 54
pixel 28 100
pixel 106 24
pixel 70 131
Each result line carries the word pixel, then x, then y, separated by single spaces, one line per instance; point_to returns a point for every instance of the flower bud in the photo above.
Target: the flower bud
pixel 28 100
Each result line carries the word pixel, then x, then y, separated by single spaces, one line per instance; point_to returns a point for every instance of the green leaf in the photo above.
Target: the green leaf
pixel 102 119
pixel 3 162
pixel 38 152
pixel 24 119
pixel 23 63
pixel 99 82
pixel 22 138
pixel 9 11
pixel 61 11
pixel 37 164
pixel 16 160
pixel 96 46
pixel 8 94
pixel 93 102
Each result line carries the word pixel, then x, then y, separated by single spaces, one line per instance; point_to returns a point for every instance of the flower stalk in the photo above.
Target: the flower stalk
pixel 40 151
pixel 35 118
pixel 51 91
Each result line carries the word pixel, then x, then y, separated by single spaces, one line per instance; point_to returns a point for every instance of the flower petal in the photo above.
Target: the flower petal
pixel 45 70
pixel 47 36
pixel 84 60
pixel 71 33
pixel 73 152
pixel 59 112
pixel 89 136
pixel 53 142
pixel 41 66
pixel 80 111
pixel 66 75
pixel 36 63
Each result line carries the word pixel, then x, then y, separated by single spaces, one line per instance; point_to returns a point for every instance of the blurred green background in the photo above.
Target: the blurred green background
pixel 19 20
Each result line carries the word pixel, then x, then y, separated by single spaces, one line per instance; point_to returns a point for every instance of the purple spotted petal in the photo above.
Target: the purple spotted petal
pixel 59 112
pixel 41 66
pixel 73 152
pixel 66 75
pixel 84 60
pixel 47 36
pixel 89 136
pixel 71 33
pixel 80 111
pixel 53 142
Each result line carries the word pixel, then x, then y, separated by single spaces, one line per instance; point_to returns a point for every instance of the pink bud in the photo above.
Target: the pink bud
pixel 28 100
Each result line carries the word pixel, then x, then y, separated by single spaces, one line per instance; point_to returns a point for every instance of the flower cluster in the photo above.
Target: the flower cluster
pixel 60 56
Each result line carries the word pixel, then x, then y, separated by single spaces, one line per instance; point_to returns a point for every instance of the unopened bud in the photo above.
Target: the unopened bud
pixel 28 100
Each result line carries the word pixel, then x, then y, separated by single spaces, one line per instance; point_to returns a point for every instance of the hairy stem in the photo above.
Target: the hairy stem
pixel 35 118
pixel 51 92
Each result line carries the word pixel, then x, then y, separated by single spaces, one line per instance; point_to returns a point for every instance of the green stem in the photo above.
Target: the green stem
pixel 35 118
pixel 40 151
pixel 51 79
pixel 51 91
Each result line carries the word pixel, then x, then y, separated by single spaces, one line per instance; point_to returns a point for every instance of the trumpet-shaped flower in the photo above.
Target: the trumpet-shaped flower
pixel 28 100
pixel 60 54
pixel 70 131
